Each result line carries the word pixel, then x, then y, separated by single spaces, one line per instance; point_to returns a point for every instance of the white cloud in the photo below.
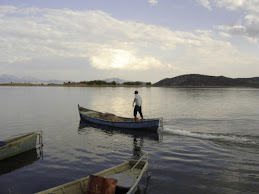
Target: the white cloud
pixel 223 34
pixel 205 3
pixel 28 35
pixel 249 5
pixel 236 30
pixel 250 27
pixel 153 2
pixel 121 59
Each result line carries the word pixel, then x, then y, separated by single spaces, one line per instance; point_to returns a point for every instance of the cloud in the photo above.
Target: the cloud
pixel 236 30
pixel 96 39
pixel 121 59
pixel 223 34
pixel 250 26
pixel 249 5
pixel 205 3
pixel 153 2
pixel 28 33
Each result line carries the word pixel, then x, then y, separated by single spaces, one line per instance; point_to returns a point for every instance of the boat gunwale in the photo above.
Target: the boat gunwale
pixel 143 164
pixel 18 144
pixel 16 139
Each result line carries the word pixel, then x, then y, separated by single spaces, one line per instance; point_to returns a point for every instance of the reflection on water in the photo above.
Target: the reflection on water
pixel 137 136
pixel 21 160
pixel 137 146
pixel 210 137
pixel 152 135
pixel 144 190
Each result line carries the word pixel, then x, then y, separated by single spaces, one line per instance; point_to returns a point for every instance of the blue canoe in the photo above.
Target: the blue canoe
pixel 119 122
pixel 19 144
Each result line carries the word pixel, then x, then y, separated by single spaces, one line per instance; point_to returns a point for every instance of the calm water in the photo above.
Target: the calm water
pixel 209 143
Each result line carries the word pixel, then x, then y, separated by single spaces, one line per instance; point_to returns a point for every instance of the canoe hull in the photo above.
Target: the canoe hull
pixel 18 145
pixel 79 186
pixel 148 124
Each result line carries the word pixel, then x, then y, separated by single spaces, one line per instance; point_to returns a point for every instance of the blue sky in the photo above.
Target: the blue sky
pixel 144 40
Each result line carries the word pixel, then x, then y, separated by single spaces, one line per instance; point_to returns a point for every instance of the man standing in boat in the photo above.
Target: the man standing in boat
pixel 138 103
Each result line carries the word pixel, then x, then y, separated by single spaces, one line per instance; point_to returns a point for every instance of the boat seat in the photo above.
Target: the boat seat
pixel 125 180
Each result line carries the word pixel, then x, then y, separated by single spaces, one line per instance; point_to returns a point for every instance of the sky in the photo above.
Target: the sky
pixel 134 40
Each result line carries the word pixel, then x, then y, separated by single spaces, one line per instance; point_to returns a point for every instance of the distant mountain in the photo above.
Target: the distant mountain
pixel 27 79
pixel 117 80
pixel 196 80
pixel 8 79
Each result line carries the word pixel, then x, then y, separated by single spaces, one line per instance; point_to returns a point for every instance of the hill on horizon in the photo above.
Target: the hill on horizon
pixel 4 79
pixel 7 79
pixel 197 80
pixel 117 80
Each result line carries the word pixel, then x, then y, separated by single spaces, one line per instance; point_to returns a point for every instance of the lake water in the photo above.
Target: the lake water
pixel 209 142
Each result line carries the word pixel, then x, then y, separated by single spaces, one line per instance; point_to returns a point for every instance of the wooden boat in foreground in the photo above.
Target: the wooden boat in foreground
pixel 19 144
pixel 119 122
pixel 127 175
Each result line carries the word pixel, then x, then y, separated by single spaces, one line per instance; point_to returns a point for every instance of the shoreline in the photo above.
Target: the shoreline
pixel 85 85
pixel 71 85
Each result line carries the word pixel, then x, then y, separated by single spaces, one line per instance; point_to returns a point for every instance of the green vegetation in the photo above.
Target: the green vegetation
pixel 132 83
pixel 91 83
pixel 104 83
pixel 94 83
pixel 137 83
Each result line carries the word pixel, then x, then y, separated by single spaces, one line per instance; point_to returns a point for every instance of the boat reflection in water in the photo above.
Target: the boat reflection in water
pixel 143 134
pixel 138 137
pixel 21 160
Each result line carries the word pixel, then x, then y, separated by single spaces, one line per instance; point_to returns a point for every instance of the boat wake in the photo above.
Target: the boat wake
pixel 230 138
